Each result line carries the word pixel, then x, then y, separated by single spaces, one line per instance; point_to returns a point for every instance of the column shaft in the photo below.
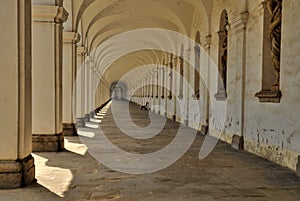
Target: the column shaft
pixel 47 77
pixel 16 163
pixel 69 75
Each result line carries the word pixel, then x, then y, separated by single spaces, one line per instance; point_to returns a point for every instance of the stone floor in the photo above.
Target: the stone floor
pixel 226 174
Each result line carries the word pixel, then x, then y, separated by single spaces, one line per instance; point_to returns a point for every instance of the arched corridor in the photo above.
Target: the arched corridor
pixel 150 100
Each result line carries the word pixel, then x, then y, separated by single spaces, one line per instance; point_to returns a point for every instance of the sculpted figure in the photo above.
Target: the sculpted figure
pixel 275 8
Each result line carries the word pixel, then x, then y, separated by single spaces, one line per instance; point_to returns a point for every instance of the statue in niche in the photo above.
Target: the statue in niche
pixel 275 7
pixel 224 63
pixel 224 52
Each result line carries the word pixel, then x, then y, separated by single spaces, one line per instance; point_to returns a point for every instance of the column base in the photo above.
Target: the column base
pixel 186 122
pixel 204 130
pixel 69 129
pixel 298 167
pixel 237 142
pixel 16 174
pixel 48 143
pixel 79 122
pixel 87 118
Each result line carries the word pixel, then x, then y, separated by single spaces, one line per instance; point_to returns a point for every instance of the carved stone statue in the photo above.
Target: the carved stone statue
pixel 224 63
pixel 275 8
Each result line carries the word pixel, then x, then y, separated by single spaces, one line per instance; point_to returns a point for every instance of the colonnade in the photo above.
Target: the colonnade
pixel 48 84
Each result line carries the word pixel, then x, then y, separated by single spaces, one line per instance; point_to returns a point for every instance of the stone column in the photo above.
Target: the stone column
pixel 162 82
pixel 239 26
pixel 187 91
pixel 97 92
pixel 80 76
pixel 148 86
pixel 86 88
pixel 91 85
pixel 69 76
pixel 47 77
pixel 101 91
pixel 16 163
pixel 204 86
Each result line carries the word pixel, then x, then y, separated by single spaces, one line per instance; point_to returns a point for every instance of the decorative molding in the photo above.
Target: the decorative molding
pixel 62 15
pixel 81 50
pixel 240 22
pixel 47 13
pixel 92 64
pixel 71 37
pixel 221 96
pixel 269 96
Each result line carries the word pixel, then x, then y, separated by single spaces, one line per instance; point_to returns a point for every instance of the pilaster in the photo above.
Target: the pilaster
pixel 17 167
pixel 47 37
pixel 69 72
pixel 239 26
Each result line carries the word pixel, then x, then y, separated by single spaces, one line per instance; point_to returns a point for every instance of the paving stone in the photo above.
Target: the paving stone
pixel 226 174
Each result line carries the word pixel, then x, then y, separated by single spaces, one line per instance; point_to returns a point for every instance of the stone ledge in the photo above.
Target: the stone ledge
pixel 16 174
pixel 69 129
pixel 221 96
pixel 47 143
pixel 237 142
pixel 269 96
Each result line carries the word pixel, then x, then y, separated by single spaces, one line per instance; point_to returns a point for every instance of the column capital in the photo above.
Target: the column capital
pixel 92 64
pixel 48 13
pixel 81 50
pixel 71 37
pixel 240 22
pixel 88 58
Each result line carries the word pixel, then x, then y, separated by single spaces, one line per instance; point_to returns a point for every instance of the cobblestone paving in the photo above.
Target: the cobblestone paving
pixel 226 174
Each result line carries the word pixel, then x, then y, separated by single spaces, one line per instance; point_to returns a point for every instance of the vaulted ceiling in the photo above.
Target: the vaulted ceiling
pixel 98 21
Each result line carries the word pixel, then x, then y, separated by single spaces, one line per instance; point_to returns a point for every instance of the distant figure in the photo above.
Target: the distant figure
pixel 145 107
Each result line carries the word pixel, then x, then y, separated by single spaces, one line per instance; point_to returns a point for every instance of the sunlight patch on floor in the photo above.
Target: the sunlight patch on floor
pixel 77 148
pixel 55 179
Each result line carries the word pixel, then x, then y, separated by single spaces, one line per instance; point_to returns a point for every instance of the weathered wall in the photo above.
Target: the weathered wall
pixel 273 129
pixel 270 130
